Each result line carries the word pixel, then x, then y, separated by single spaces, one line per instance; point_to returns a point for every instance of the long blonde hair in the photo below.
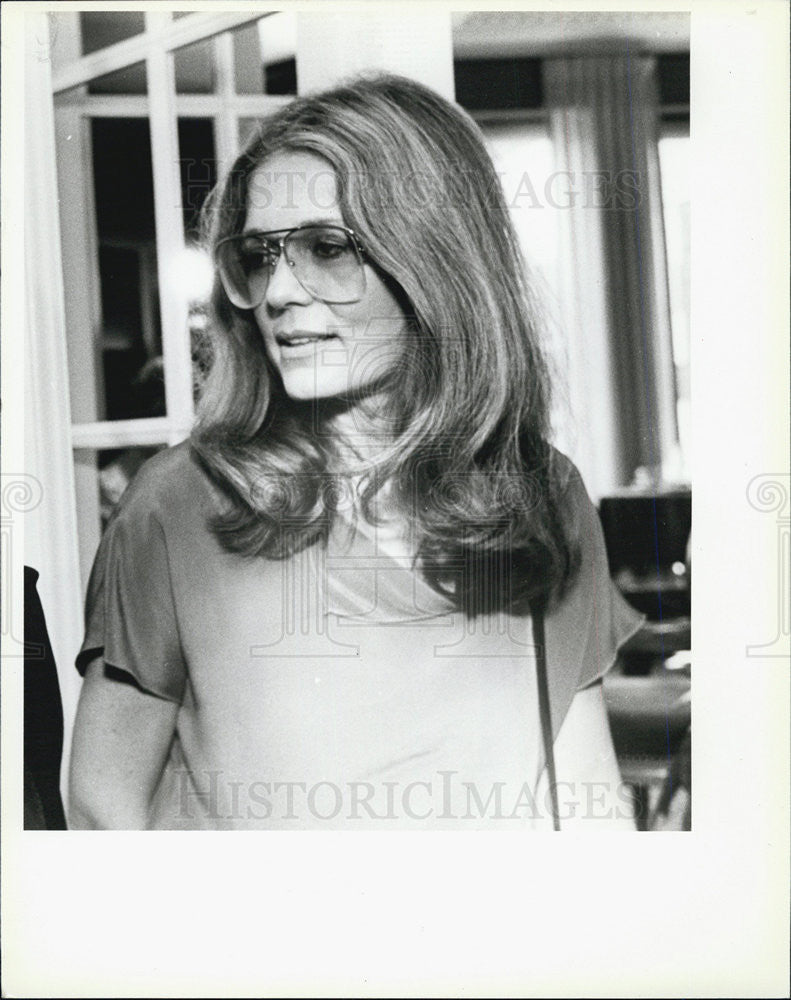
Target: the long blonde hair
pixel 469 399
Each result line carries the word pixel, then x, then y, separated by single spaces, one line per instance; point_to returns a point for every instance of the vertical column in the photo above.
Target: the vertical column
pixel 170 230
pixel 226 139
pixel 82 293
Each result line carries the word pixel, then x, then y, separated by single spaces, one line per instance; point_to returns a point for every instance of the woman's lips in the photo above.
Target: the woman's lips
pixel 300 337
pixel 301 343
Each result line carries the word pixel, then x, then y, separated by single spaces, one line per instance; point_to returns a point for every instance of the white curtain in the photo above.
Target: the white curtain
pixel 50 536
pixel 615 304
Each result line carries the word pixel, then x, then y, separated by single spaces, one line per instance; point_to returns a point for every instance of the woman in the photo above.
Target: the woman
pixel 329 608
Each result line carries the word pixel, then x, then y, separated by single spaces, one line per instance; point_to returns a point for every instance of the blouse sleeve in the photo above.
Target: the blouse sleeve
pixel 592 621
pixel 130 614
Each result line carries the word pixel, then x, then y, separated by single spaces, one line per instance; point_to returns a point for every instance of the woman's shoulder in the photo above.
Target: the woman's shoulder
pixel 580 518
pixel 592 620
pixel 570 490
pixel 169 485
pixel 564 471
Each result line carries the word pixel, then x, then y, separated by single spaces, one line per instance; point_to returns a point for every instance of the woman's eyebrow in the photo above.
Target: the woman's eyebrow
pixel 331 220
pixel 322 221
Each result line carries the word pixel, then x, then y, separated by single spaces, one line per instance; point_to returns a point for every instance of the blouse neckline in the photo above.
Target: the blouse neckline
pixel 367 581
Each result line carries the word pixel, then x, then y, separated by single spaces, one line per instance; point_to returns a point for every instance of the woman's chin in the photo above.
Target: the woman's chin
pixel 303 386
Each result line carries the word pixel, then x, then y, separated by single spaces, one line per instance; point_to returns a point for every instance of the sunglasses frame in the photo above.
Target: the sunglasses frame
pixel 281 237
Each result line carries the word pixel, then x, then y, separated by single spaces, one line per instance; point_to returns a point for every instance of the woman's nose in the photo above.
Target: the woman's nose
pixel 283 289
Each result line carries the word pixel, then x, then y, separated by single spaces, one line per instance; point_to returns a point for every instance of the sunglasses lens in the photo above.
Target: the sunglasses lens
pixel 244 264
pixel 327 263
pixel 323 259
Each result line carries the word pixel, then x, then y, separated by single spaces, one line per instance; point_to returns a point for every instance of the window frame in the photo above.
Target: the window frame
pixel 74 108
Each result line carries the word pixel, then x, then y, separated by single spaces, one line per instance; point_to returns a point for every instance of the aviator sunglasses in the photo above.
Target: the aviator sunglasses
pixel 327 261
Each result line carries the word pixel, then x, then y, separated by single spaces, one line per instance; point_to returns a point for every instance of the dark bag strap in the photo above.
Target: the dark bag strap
pixel 544 713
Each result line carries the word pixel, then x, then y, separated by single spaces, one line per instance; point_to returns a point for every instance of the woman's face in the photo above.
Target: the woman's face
pixel 321 350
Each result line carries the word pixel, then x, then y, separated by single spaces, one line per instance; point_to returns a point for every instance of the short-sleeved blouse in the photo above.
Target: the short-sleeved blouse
pixel 334 688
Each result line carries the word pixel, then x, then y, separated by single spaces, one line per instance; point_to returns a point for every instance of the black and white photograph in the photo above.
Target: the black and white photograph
pixel 355 485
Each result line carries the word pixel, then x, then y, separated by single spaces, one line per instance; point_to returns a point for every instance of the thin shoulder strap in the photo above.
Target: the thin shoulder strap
pixel 544 713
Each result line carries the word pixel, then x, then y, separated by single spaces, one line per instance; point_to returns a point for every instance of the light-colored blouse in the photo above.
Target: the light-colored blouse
pixel 336 688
